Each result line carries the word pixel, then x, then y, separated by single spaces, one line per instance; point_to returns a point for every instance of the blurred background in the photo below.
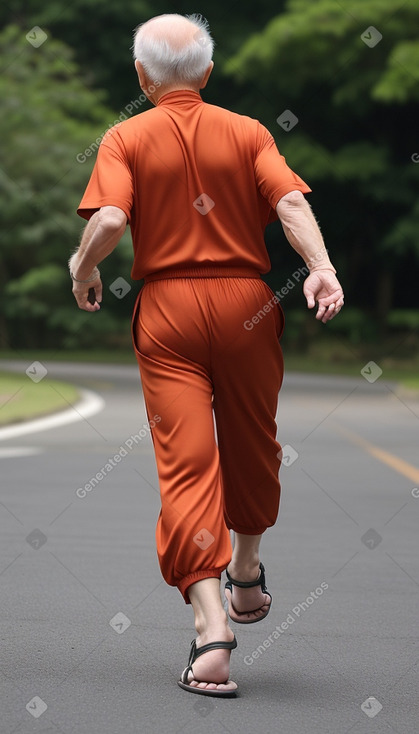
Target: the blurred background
pixel 348 72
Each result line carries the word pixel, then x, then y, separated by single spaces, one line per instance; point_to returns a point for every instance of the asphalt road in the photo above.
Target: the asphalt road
pixel 93 641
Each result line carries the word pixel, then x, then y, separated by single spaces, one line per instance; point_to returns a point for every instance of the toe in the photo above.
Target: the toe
pixel 229 686
pixel 259 603
pixel 254 614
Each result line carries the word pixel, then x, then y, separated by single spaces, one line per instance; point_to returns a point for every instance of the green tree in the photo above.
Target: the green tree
pixel 354 89
pixel 49 120
pixel 94 29
pixel 101 35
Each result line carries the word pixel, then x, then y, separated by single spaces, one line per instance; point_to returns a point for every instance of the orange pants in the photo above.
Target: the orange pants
pixel 201 356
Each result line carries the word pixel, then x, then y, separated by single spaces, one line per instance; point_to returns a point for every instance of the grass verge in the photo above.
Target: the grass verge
pixel 326 359
pixel 407 375
pixel 21 399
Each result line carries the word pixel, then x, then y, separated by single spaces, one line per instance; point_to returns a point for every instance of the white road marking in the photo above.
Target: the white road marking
pixel 13 452
pixel 90 404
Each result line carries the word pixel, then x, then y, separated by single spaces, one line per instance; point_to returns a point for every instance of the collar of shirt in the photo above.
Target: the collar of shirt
pixel 179 96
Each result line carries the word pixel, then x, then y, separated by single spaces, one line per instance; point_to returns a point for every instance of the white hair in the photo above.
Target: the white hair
pixel 172 58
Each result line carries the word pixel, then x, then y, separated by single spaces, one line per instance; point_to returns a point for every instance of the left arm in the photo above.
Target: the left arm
pixel 284 190
pixel 303 234
pixel 100 237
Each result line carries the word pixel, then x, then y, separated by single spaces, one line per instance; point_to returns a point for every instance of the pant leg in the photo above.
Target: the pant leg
pixel 247 370
pixel 171 342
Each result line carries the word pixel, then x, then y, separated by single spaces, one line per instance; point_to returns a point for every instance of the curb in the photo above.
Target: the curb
pixel 90 404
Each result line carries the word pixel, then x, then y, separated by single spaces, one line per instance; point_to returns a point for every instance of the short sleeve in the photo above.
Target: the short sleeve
pixel 273 176
pixel 111 182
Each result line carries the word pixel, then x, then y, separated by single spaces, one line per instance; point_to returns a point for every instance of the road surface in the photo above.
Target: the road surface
pixel 93 641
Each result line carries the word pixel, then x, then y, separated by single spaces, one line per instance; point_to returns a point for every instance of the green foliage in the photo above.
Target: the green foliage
pixel 403 233
pixel 101 35
pixel 406 319
pixel 49 117
pixel 356 137
pixel 316 43
pixel 400 82
pixel 355 143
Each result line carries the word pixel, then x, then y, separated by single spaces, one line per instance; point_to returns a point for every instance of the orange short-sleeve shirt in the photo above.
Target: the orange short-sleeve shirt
pixel 197 182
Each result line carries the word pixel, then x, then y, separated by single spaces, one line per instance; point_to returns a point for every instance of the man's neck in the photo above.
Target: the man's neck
pixel 161 91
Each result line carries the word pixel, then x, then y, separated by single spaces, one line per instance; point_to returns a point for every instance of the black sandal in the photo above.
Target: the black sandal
pixel 194 654
pixel 237 616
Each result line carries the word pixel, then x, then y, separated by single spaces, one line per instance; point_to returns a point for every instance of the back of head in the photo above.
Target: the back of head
pixel 174 49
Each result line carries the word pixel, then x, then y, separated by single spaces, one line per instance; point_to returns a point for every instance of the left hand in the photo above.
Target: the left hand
pixel 323 286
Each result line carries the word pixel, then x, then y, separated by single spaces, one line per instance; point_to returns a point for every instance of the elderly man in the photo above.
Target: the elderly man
pixel 198 185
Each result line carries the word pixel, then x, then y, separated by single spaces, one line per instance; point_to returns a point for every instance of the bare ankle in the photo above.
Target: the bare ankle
pixel 246 570
pixel 216 622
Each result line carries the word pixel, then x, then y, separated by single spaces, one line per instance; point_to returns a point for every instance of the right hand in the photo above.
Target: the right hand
pixel 81 294
pixel 323 287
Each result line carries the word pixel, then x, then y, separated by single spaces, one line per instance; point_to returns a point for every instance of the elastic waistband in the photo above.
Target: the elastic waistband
pixel 203 272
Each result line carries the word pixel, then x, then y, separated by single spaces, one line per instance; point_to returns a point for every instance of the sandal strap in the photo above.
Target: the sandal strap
pixel 260 581
pixel 185 674
pixel 215 646
pixel 197 651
